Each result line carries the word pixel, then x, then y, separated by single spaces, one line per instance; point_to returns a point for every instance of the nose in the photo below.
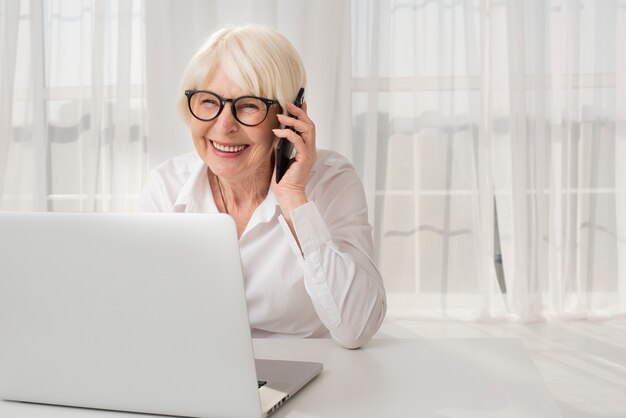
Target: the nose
pixel 226 121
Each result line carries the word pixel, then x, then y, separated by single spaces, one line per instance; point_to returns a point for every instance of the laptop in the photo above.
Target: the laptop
pixel 132 312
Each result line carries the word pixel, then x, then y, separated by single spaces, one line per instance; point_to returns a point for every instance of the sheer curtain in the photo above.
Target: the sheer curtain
pixel 89 89
pixel 489 136
pixel 72 109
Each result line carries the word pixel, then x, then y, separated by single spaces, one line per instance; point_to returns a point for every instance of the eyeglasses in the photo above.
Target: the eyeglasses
pixel 247 110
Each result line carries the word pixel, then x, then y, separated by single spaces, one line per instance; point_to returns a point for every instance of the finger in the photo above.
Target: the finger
pixel 297 138
pixel 300 151
pixel 289 135
pixel 298 112
pixel 302 147
pixel 298 125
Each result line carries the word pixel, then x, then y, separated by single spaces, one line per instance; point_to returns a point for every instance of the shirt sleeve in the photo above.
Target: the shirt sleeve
pixel 340 276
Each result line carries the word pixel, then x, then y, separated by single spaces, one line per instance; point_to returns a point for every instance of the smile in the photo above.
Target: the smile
pixel 230 149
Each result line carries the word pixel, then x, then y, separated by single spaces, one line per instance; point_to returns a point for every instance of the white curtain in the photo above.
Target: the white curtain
pixel 72 135
pixel 89 89
pixel 490 136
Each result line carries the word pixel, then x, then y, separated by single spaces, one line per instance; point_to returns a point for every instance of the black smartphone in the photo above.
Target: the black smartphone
pixel 284 149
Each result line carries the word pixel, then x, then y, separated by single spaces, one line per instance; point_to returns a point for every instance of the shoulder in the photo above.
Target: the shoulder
pixel 166 181
pixel 178 168
pixel 337 190
pixel 172 174
pixel 331 165
pixel 331 170
pixel 331 162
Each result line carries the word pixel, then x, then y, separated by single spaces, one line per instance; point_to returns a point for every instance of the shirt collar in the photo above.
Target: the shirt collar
pixel 195 195
pixel 267 209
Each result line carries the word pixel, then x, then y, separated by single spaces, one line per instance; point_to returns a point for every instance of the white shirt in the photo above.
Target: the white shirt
pixel 331 288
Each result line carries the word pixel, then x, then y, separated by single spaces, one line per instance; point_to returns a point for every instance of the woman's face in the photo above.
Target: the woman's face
pixel 230 149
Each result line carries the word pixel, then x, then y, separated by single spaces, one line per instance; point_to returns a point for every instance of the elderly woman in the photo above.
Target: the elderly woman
pixel 305 242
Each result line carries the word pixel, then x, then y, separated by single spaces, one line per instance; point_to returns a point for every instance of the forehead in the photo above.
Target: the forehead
pixel 217 81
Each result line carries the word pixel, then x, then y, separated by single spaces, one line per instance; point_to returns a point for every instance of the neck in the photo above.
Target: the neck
pixel 237 195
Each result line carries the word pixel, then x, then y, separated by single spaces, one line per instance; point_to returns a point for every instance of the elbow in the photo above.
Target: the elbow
pixel 353 343
pixel 353 339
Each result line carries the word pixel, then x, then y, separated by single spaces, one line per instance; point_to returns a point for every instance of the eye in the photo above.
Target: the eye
pixel 210 102
pixel 248 107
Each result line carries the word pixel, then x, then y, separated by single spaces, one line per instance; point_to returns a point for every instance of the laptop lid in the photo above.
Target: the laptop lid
pixel 133 312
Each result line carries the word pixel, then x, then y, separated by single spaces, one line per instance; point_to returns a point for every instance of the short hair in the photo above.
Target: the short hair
pixel 258 59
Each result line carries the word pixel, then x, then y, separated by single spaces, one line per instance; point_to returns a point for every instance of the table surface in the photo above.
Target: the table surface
pixel 583 362
pixel 418 377
pixel 390 377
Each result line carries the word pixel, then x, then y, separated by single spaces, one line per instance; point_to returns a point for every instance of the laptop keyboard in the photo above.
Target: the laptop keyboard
pixel 261 382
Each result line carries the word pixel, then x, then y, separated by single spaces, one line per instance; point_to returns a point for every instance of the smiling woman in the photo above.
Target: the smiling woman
pixel 307 256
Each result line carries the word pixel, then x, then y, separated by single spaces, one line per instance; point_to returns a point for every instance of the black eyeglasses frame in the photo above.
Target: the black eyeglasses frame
pixel 224 100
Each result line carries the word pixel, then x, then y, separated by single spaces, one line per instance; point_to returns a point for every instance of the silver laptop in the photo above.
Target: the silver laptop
pixel 132 312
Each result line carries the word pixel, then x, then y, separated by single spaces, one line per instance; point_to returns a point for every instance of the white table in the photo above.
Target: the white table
pixel 491 377
pixel 583 362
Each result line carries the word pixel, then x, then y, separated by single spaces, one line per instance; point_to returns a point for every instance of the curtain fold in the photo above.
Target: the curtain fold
pixel 620 148
pixel 9 18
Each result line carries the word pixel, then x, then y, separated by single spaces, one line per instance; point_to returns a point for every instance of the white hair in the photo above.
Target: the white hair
pixel 258 59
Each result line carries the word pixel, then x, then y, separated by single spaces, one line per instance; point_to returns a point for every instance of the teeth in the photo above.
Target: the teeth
pixel 228 149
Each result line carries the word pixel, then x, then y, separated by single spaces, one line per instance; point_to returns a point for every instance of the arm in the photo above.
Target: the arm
pixel 327 225
pixel 330 234
pixel 340 276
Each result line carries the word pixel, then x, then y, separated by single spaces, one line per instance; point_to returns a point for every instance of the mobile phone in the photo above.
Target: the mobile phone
pixel 284 149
